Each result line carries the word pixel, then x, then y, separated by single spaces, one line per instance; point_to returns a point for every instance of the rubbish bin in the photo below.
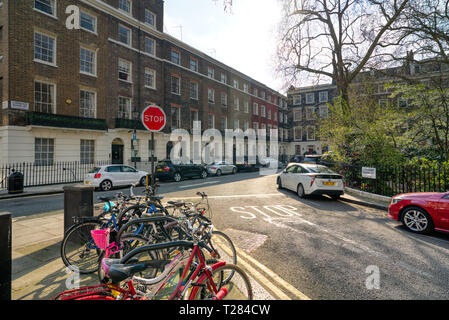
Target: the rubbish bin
pixel 15 182
pixel 78 202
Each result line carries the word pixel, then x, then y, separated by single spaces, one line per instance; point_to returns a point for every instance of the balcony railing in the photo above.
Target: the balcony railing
pixel 63 121
pixel 129 124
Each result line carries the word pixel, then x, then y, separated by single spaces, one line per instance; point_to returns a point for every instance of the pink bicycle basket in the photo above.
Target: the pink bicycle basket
pixel 101 238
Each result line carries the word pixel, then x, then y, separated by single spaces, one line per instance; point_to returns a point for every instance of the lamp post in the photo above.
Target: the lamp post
pixel 135 115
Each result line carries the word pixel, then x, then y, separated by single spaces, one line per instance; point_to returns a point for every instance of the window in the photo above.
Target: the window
pixel 124 5
pixel 224 123
pixel 297 133
pixel 224 99
pixel 211 121
pixel 323 96
pixel 310 113
pixel 297 99
pixel 88 105
pixel 194 116
pixel 44 151
pixel 124 70
pixel 194 90
pixel 236 104
pixel 263 94
pixel 246 107
pixel 150 78
pixel 236 124
pixel 44 48
pixel 262 110
pixel 223 78
pixel 210 72
pixel 297 115
pixel 269 114
pixel 236 84
pixel 310 98
pixel 88 61
pixel 175 84
pixel 324 112
pixel 245 87
pixel 211 95
pixel 44 97
pixel 255 109
pixel 149 46
pixel 124 35
pixel 255 91
pixel 275 116
pixel 87 151
pixel 175 117
pixel 150 18
pixel 88 22
pixel 175 56
pixel 46 6
pixel 193 64
pixel 124 108
pixel 310 133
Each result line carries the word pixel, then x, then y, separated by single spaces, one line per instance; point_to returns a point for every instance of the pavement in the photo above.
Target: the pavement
pixel 37 269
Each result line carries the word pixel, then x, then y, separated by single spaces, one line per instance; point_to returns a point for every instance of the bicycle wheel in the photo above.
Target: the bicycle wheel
pixel 224 249
pixel 78 249
pixel 236 287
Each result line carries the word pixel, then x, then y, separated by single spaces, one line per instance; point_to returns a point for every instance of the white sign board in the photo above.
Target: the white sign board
pixel 369 173
pixel 5 104
pixel 20 105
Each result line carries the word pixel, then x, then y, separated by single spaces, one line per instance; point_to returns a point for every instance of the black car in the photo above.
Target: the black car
pixel 246 166
pixel 167 170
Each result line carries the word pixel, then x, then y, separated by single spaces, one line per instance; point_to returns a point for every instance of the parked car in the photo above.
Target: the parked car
pixel 421 212
pixel 221 167
pixel 296 159
pixel 311 179
pixel 312 159
pixel 106 177
pixel 246 166
pixel 167 170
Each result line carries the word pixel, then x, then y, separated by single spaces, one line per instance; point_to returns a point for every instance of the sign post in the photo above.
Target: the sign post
pixel 153 119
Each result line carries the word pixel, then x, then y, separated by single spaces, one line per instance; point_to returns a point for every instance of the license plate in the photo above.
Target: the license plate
pixel 328 183
pixel 159 170
pixel 86 182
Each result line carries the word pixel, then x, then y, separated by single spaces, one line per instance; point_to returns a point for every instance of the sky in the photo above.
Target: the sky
pixel 243 38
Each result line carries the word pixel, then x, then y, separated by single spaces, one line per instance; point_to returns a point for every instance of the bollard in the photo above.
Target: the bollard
pixel 78 202
pixel 5 255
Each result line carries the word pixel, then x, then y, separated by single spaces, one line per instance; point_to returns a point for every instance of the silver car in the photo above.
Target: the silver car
pixel 219 168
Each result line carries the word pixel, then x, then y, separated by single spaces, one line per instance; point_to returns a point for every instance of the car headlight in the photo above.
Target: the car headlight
pixel 396 200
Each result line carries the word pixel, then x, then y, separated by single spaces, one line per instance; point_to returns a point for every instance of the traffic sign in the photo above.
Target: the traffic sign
pixel 153 118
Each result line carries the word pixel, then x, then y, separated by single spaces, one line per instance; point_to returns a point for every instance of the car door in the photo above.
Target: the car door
pixel 288 177
pixel 130 176
pixel 115 174
pixel 443 213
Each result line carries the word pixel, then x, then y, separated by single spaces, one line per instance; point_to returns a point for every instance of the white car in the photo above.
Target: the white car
pixel 311 179
pixel 221 167
pixel 106 177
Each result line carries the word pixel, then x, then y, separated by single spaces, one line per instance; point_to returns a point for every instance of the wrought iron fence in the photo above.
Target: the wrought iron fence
pixel 56 173
pixel 390 181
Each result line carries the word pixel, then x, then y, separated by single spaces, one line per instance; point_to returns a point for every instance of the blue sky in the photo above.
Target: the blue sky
pixel 244 39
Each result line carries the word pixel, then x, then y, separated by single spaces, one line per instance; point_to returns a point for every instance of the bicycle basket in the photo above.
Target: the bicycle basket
pixel 101 238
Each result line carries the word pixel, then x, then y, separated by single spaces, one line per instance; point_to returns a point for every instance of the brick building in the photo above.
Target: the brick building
pixel 75 94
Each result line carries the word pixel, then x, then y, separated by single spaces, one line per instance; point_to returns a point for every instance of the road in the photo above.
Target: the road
pixel 316 247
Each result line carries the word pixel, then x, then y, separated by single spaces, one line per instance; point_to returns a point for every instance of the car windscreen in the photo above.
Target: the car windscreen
pixel 94 170
pixel 320 169
pixel 163 164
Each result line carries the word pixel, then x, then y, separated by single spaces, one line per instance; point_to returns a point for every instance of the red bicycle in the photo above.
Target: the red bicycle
pixel 186 276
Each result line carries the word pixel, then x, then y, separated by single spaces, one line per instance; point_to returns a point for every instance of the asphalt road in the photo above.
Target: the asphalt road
pixel 324 249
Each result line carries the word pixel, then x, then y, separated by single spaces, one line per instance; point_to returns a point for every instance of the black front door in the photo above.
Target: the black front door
pixel 117 154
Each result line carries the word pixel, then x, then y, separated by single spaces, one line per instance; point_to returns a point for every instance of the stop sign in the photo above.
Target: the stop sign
pixel 153 118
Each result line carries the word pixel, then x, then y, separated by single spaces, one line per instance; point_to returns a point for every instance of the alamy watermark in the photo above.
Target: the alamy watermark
pixel 372 282
pixel 73 280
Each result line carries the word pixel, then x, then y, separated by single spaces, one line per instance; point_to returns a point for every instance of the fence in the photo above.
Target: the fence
pixel 390 181
pixel 57 173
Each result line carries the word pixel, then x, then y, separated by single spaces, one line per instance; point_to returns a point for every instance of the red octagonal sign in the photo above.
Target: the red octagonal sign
pixel 153 118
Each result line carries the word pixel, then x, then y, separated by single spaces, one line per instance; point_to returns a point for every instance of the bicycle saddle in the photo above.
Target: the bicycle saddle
pixel 156 197
pixel 120 272
pixel 106 199
pixel 177 203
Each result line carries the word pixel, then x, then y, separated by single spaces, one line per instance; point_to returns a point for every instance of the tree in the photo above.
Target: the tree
pixel 336 39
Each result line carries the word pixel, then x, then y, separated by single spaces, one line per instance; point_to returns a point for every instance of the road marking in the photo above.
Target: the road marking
pixel 199 184
pixel 231 196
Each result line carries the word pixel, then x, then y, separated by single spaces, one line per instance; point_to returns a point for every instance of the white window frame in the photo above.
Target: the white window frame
pixel 94 105
pixel 210 72
pixel 195 97
pixel 48 161
pixel 296 99
pixel 323 96
pixel 130 6
pixel 310 100
pixel 255 109
pixel 94 19
pixel 224 99
pixel 310 113
pixel 54 7
pixel 124 112
pixel 129 40
pixel 246 107
pixel 153 52
pixel 88 150
pixel 178 114
pixel 172 76
pixel 297 114
pixel 153 73
pixel 210 95
pixel 94 62
pixel 55 50
pixel 236 83
pixel 245 87
pixel 179 56
pixel 130 72
pixel 196 64
pixel 52 93
pixel 295 135
pixel 223 78
pixel 236 104
pixel 314 133
pixel 263 111
pixel 154 18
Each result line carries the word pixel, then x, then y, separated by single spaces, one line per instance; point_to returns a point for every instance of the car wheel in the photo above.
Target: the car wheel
pixel 218 173
pixel 106 185
pixel 300 191
pixel 177 177
pixel 204 174
pixel 279 182
pixel 234 170
pixel 417 220
pixel 143 181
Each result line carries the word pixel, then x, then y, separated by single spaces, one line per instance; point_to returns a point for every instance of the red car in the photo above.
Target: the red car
pixel 421 212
